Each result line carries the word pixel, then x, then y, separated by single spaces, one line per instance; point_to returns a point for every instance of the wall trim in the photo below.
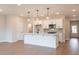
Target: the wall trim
pixel 10 41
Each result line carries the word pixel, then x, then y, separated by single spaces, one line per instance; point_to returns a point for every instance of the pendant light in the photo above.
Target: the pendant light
pixel 47 17
pixel 37 18
pixel 28 16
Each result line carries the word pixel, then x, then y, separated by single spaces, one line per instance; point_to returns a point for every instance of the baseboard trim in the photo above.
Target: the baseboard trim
pixel 9 41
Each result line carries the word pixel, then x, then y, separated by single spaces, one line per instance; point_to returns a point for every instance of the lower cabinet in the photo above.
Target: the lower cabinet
pixel 41 40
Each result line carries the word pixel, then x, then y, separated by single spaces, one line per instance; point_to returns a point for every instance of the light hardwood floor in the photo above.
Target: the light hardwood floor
pixel 19 48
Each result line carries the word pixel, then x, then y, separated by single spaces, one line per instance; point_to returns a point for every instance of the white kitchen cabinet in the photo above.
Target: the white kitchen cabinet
pixel 60 36
pixel 46 40
pixel 59 23
pixel 45 24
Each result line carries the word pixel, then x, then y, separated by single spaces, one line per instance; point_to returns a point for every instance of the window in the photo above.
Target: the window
pixel 74 29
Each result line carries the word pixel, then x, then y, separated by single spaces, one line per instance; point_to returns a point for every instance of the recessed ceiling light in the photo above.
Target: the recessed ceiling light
pixel 47 17
pixel 73 10
pixel 73 15
pixel 1 10
pixel 28 19
pixel 21 15
pixel 42 15
pixel 57 13
pixel 18 4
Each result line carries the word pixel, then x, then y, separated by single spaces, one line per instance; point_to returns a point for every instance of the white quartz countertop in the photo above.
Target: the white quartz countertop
pixel 40 34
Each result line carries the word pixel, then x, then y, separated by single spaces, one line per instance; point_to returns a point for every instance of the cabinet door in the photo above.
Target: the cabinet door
pixel 45 24
pixel 52 21
pixel 59 23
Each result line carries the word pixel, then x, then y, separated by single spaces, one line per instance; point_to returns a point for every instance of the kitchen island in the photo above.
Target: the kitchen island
pixel 46 40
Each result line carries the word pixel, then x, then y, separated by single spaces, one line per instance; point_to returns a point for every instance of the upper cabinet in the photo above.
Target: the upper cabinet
pixel 45 24
pixel 58 22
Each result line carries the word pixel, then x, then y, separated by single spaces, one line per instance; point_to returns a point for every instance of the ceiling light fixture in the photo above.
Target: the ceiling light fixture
pixel 21 15
pixel 73 15
pixel 57 13
pixel 37 15
pixel 28 16
pixel 1 10
pixel 47 13
pixel 73 10
pixel 18 4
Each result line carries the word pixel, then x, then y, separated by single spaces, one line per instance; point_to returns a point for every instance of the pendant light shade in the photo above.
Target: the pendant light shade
pixel 28 16
pixel 47 17
pixel 37 18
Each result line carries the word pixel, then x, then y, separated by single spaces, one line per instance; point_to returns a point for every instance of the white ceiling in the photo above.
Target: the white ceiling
pixel 65 9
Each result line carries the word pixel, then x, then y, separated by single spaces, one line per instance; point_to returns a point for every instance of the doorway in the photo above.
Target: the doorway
pixel 74 29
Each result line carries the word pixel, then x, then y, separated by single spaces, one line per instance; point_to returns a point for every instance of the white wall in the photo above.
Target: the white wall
pixel 11 28
pixel 2 28
pixel 14 28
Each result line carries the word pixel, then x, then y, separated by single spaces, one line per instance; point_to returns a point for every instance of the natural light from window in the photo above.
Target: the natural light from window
pixel 74 29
